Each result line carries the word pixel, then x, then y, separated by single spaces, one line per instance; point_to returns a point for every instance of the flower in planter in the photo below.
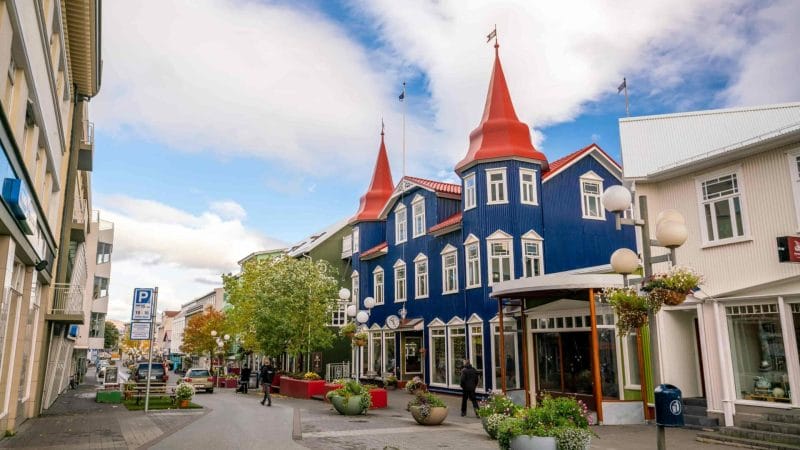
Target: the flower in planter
pixel 391 380
pixel 311 376
pixel 497 403
pixel 360 339
pixel 630 307
pixel 425 401
pixel 348 329
pixel 184 391
pixel 351 388
pixel 673 286
pixel 564 419
pixel 416 383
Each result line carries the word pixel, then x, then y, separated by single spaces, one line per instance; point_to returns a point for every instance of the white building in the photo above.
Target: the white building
pixel 213 300
pixel 735 176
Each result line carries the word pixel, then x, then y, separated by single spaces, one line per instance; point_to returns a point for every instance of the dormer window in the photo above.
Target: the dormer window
pixel 591 190
pixel 527 187
pixel 496 188
pixel 400 224
pixel 470 199
pixel 418 209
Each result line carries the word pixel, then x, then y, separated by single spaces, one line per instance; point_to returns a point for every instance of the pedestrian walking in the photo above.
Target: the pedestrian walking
pixel 469 381
pixel 267 373
pixel 244 380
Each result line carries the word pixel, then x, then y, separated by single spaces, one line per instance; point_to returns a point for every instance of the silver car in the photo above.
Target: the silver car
pixel 200 379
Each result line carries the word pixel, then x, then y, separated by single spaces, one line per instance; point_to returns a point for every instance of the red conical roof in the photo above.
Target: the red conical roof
pixel 500 133
pixel 380 189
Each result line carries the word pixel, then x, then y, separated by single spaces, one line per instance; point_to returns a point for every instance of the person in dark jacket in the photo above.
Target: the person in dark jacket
pixel 469 381
pixel 267 373
pixel 244 380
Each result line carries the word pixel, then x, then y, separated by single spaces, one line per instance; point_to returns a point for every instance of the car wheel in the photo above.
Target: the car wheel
pixel 210 391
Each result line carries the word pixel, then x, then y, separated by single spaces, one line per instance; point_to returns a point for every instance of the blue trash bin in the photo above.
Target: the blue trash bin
pixel 669 406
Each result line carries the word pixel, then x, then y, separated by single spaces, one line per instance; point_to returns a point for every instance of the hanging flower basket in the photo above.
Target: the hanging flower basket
pixel 668 296
pixel 630 307
pixel 360 339
pixel 673 286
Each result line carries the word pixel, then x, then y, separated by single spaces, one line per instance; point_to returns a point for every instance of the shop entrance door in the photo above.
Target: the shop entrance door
pixel 411 358
pixel 564 365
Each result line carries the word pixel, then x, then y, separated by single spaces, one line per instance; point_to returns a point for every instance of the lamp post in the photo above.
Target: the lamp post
pixel 671 233
pixel 361 317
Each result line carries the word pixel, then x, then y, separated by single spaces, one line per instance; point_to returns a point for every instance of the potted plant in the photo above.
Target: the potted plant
pixel 416 386
pixel 556 423
pixel 351 399
pixel 183 393
pixel 311 376
pixel 360 339
pixel 348 329
pixel 630 307
pixel 494 409
pixel 673 286
pixel 427 409
pixel 390 382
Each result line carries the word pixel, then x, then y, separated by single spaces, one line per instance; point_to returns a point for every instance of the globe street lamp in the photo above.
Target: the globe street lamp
pixel 671 233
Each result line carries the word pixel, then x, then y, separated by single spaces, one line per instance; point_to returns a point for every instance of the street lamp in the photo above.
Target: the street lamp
pixel 671 233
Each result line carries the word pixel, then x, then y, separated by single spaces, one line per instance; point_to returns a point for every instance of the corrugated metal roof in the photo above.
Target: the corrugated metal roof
pixel 450 221
pixel 651 144
pixel 311 242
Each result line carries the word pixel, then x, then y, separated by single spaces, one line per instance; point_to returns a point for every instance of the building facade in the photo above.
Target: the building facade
pixel 50 61
pixel 734 175
pixel 214 301
pixel 428 252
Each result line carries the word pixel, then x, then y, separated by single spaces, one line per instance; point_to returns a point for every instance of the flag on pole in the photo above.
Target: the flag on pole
pixel 491 35
pixel 622 86
pixel 403 94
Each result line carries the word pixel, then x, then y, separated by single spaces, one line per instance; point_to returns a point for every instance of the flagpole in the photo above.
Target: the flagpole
pixel 402 180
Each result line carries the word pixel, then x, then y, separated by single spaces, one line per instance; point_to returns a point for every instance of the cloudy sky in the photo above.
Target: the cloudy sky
pixel 225 127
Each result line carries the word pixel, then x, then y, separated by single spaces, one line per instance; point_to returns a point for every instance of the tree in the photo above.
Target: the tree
pixel 111 336
pixel 197 338
pixel 282 304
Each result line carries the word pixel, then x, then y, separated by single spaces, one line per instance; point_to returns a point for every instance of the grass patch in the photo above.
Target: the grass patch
pixel 155 403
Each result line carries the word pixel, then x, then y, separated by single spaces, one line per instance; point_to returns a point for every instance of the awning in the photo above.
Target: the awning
pixel 411 325
pixel 536 286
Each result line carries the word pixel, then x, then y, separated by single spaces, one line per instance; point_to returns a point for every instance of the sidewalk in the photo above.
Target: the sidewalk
pixel 76 421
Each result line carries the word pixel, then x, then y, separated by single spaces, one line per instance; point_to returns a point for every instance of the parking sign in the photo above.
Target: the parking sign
pixel 142 304
pixel 140 331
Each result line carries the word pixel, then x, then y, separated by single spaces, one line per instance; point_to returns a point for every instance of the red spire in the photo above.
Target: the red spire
pixel 380 189
pixel 500 133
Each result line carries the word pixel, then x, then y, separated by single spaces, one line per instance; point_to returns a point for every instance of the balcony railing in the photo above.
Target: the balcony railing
pixel 67 300
pixel 347 246
pixel 79 209
pixel 87 139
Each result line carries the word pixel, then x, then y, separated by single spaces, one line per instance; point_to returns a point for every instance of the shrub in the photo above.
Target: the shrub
pixel 497 403
pixel 184 391
pixel 311 376
pixel 350 388
pixel 554 417
pixel 425 401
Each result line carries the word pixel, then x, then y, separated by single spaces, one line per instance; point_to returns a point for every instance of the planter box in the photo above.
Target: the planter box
pixel 109 397
pixel 302 388
pixel 379 399
pixel 276 383
pixel 231 383
pixel 401 384
pixel 327 388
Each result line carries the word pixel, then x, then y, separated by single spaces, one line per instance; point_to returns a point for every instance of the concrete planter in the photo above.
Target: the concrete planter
pixel 350 407
pixel 533 443
pixel 436 417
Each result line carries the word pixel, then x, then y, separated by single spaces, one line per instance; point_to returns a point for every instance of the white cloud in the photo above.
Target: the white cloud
pixel 182 253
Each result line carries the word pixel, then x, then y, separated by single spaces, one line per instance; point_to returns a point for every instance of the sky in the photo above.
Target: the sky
pixel 227 127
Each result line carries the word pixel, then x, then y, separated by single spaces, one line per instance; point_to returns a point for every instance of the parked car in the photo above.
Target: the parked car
pixel 200 379
pixel 157 372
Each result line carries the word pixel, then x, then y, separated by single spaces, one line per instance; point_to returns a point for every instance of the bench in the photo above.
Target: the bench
pixel 156 390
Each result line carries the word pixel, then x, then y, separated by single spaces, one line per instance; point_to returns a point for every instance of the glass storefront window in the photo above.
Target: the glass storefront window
pixel 632 377
pixel 377 357
pixel 439 357
pixel 608 362
pixel 458 351
pixel 391 361
pixel 512 380
pixel 757 353
pixel 476 351
pixel 548 362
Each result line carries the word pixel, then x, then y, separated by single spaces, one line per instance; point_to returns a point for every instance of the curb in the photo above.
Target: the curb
pixel 297 428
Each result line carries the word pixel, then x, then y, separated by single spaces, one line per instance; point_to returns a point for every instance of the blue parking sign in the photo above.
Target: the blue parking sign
pixel 142 304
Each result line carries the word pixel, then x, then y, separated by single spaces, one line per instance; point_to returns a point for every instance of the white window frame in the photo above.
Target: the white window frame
pixel 419 202
pixel 476 322
pixel 449 252
pixel 400 265
pixel 470 192
pixel 400 217
pixel 472 242
pixel 419 278
pixel 531 237
pixel 626 355
pixel 438 326
pixel 494 331
pixel 701 202
pixel 451 326
pixel 499 237
pixel 502 186
pixel 354 287
pixel 378 285
pixel 528 187
pixel 592 178
pixel 356 236
pixel 794 174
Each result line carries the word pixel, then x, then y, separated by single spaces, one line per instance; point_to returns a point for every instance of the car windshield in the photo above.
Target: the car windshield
pixel 197 373
pixel 156 368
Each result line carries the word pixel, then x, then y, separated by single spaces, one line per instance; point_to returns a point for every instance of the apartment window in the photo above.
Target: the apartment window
pixel 531 258
pixel 527 186
pixel 100 287
pixel 722 208
pixel 103 252
pixel 97 325
pixel 418 208
pixel 421 277
pixel 399 281
pixel 449 270
pixel 339 315
pixel 469 192
pixel 496 186
pixel 472 254
pixel 591 190
pixel 354 287
pixel 400 225
pixel 500 257
pixel 355 239
pixel 377 278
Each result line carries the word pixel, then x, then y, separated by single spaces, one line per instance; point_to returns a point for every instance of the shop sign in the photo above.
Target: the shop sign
pixel 19 200
pixel 789 249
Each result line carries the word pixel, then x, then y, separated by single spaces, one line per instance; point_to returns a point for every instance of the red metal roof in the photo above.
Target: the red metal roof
pixel 374 250
pixel 438 186
pixel 380 189
pixel 450 221
pixel 558 164
pixel 500 133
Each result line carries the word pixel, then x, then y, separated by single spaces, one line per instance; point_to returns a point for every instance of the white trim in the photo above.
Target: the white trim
pixel 513 334
pixel 436 323
pixel 498 235
pixel 449 251
pixel 522 184
pixel 474 319
pixel 472 241
pixel 532 234
pixel 431 352
pixel 456 321
pixel 535 258
pixel 509 242
pixel 400 212
pixel 503 184
pixel 592 178
pixel 474 189
pixel 419 259
pixel 736 171
pixel 451 358
pixel 400 264
pixel 418 200
pixel 626 356
pixel 382 297
pixel 356 237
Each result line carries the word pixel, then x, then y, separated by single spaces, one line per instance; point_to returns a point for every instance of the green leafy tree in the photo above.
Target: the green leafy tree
pixel 110 336
pixel 282 305
pixel 197 338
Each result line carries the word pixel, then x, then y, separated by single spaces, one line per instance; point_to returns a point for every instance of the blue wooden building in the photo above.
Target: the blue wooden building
pixel 429 252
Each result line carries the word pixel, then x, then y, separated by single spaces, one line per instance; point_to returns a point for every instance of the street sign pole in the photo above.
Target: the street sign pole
pixel 150 357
